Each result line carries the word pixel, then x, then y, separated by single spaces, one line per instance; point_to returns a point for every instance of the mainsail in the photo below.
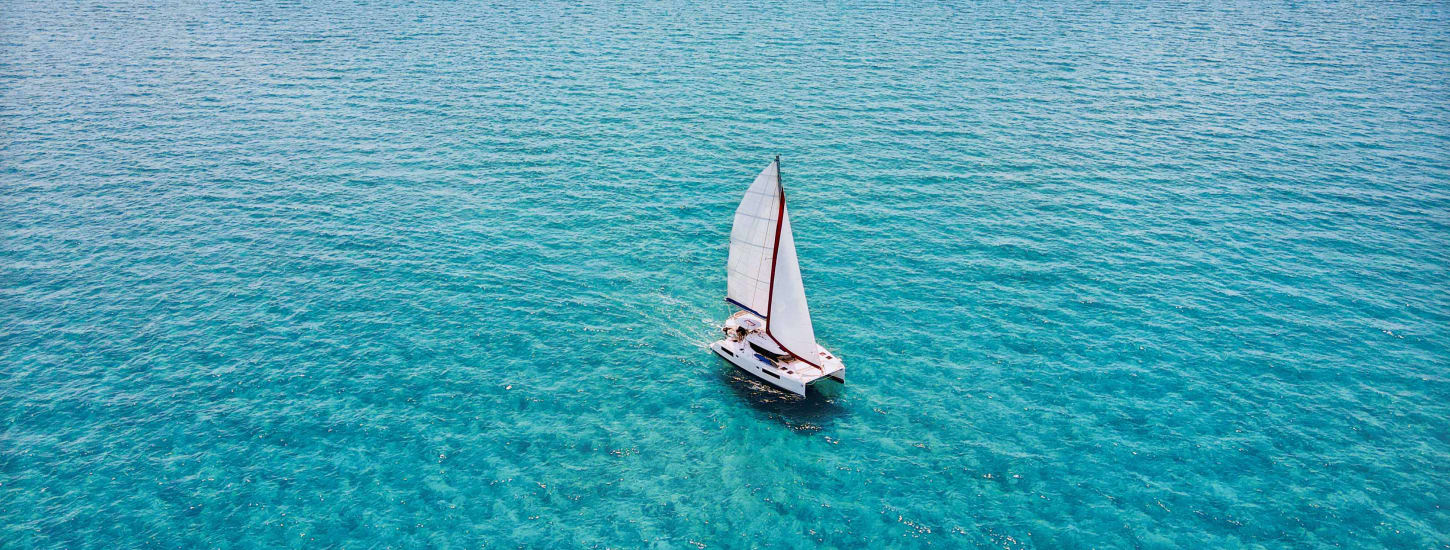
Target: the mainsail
pixel 764 273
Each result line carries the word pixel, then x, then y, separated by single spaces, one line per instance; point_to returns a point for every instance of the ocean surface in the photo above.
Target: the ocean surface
pixel 378 275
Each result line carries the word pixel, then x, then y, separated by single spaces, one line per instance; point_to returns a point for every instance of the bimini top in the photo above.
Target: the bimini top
pixel 750 324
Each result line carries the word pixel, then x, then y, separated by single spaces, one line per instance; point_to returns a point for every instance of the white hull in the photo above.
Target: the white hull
pixel 792 375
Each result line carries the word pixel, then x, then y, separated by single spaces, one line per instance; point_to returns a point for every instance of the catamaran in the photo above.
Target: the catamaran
pixel 771 335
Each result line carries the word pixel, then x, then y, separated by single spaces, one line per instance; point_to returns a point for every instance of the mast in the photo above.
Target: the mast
pixel 775 252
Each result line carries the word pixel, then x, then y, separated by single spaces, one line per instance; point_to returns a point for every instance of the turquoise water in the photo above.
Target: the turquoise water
pixel 1119 275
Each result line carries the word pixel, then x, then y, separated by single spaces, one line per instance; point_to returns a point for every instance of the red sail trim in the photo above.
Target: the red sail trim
pixel 775 253
pixel 787 350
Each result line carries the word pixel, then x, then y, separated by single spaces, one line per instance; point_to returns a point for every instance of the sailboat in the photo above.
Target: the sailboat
pixel 770 336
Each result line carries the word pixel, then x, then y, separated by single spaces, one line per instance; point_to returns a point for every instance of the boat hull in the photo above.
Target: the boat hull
pixel 784 376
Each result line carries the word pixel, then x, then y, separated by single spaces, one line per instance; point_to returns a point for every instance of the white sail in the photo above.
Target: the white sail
pixel 752 243
pixel 765 277
pixel 789 320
